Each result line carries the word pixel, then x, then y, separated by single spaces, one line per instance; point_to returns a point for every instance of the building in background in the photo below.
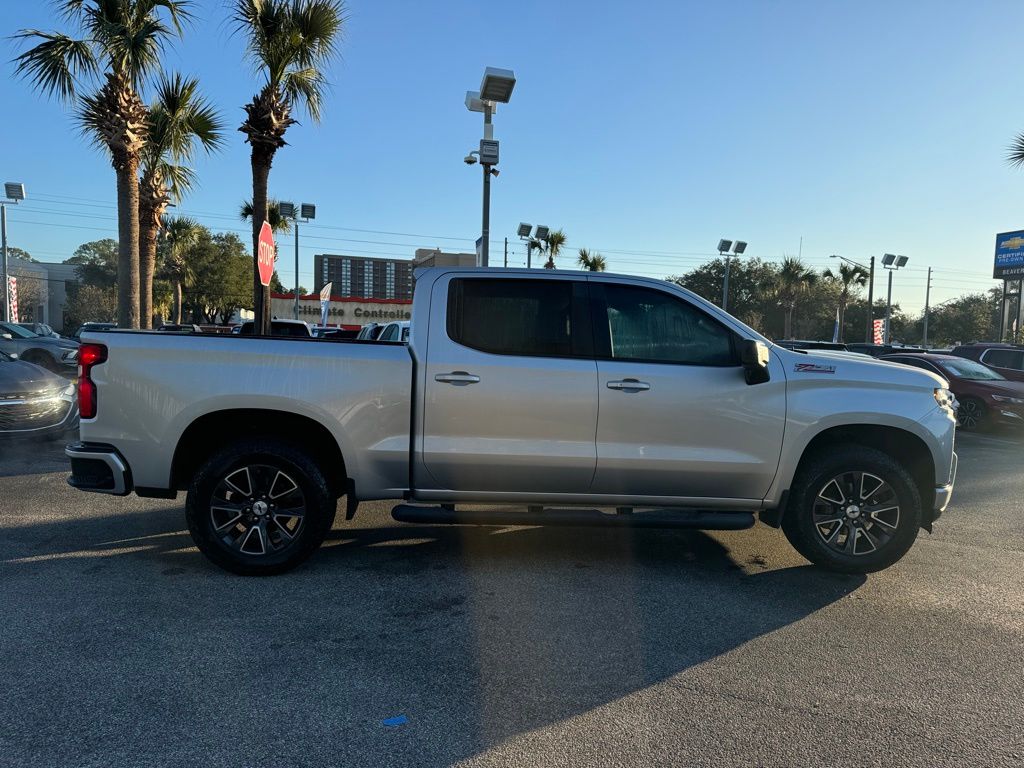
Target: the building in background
pixel 363 277
pixel 435 257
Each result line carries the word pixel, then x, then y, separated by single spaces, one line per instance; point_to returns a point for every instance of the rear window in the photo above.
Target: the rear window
pixel 529 318
pixel 1003 358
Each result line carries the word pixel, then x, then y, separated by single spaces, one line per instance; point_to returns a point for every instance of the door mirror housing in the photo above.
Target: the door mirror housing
pixel 755 356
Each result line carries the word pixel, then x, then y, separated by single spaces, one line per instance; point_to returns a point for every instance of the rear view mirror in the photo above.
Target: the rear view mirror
pixel 755 356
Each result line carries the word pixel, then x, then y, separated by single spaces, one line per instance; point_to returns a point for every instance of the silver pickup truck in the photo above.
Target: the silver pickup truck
pixel 558 398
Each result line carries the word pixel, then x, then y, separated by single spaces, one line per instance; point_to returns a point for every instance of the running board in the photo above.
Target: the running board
pixel 591 518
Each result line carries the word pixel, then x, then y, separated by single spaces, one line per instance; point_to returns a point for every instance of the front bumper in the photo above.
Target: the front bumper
pixel 98 468
pixel 943 493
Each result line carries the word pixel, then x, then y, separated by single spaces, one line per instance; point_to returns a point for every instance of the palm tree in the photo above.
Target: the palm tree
pixel 849 277
pixel 553 247
pixel 117 51
pixel 593 262
pixel 180 234
pixel 278 223
pixel 1015 152
pixel 180 121
pixel 794 280
pixel 291 42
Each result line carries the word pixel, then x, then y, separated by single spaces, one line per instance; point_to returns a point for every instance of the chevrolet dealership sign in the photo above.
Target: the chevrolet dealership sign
pixel 1009 255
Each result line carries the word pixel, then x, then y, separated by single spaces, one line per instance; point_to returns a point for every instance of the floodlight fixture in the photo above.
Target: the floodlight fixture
pixel 308 211
pixel 901 261
pixel 286 210
pixel 542 232
pixel 724 246
pixel 888 259
pixel 497 85
pixel 524 230
pixel 739 247
pixel 14 190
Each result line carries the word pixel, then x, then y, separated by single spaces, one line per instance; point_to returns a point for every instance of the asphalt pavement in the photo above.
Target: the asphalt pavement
pixel 430 646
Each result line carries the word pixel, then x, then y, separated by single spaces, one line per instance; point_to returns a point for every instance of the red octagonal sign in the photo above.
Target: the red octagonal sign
pixel 265 254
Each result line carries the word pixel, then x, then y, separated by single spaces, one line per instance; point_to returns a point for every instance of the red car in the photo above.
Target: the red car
pixel 986 397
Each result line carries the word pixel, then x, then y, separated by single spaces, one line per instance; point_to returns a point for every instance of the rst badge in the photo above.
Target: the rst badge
pixel 813 368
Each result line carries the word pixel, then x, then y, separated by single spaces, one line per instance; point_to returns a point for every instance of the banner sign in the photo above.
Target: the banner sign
pixel 12 289
pixel 879 331
pixel 1009 261
pixel 325 302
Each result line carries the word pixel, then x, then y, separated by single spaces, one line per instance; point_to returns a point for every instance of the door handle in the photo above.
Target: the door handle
pixel 460 378
pixel 633 385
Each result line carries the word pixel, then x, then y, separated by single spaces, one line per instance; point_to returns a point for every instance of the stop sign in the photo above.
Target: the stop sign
pixel 265 254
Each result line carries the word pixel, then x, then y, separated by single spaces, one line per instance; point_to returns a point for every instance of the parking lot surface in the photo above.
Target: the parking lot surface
pixel 428 646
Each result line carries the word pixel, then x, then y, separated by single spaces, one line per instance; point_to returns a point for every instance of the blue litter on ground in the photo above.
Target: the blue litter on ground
pixel 394 722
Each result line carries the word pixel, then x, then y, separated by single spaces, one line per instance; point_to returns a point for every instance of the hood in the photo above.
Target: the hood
pixel 19 377
pixel 810 365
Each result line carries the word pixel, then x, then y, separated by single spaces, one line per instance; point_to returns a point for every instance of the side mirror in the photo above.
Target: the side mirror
pixel 755 356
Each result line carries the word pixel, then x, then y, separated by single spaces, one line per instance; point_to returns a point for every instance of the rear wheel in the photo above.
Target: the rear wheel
pixel 970 414
pixel 259 507
pixel 853 510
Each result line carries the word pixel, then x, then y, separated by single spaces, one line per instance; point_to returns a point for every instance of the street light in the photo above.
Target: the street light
pixel 496 86
pixel 523 231
pixel 869 336
pixel 306 212
pixel 14 192
pixel 891 262
pixel 738 248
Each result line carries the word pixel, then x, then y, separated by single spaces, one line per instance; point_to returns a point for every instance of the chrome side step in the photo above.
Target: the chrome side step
pixel 590 518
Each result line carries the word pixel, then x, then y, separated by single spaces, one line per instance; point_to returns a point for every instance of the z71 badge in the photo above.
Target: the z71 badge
pixel 813 368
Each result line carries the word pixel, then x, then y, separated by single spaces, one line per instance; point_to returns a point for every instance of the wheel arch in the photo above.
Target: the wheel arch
pixel 901 444
pixel 213 431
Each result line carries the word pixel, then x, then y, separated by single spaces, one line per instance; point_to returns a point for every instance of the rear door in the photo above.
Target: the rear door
pixel 510 401
pixel 1009 362
pixel 676 417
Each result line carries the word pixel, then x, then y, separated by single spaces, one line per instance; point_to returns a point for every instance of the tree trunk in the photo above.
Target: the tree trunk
pixel 177 301
pixel 842 319
pixel 262 158
pixel 128 242
pixel 147 263
pixel 788 330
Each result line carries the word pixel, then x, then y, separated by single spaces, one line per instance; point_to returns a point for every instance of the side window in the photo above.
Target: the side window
pixel 1003 358
pixel 530 318
pixel 644 324
pixel 389 334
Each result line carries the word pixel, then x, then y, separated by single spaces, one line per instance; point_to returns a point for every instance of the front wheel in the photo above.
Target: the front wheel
pixel 970 414
pixel 853 510
pixel 259 507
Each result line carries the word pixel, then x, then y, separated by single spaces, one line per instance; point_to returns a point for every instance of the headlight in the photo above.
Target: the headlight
pixel 1010 400
pixel 945 399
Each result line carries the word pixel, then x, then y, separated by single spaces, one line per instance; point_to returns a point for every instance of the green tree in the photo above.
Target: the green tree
pixel 100 72
pixel 18 253
pixel 181 233
pixel 793 281
pixel 751 290
pixel 849 278
pixel 592 262
pixel 222 273
pixel 89 303
pixel 97 263
pixel 553 247
pixel 290 43
pixel 180 122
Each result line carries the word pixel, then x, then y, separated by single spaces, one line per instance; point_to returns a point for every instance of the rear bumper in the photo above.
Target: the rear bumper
pixel 98 468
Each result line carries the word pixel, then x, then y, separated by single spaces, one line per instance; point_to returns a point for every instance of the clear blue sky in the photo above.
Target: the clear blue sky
pixel 645 130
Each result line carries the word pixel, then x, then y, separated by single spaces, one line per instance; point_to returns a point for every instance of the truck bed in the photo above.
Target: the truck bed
pixel 153 386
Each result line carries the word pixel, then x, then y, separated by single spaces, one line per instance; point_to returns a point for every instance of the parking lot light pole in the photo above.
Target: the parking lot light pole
pixel 891 262
pixel 496 87
pixel 305 213
pixel 14 192
pixel 738 248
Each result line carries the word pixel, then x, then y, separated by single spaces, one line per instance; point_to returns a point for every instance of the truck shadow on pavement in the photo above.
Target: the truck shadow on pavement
pixel 474 635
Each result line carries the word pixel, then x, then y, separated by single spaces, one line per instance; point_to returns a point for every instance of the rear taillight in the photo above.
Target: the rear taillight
pixel 88 356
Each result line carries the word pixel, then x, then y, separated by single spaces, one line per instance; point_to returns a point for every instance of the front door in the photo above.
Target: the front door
pixel 676 416
pixel 510 400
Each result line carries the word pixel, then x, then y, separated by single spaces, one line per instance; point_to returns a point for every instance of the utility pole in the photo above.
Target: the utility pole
pixel 870 336
pixel 506 253
pixel 927 297
pixel 5 316
pixel 296 310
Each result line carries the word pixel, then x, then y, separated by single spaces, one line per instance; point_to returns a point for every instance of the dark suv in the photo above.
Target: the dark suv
pixel 1008 359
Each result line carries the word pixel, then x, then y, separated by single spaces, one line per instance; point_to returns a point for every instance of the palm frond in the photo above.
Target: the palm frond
pixel 56 64
pixel 277 222
pixel 1015 152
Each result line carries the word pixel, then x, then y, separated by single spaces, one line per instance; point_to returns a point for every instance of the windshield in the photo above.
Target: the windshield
pixel 17 331
pixel 968 369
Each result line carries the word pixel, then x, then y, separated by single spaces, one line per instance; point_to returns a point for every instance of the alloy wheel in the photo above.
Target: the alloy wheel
pixel 257 510
pixel 968 414
pixel 856 513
